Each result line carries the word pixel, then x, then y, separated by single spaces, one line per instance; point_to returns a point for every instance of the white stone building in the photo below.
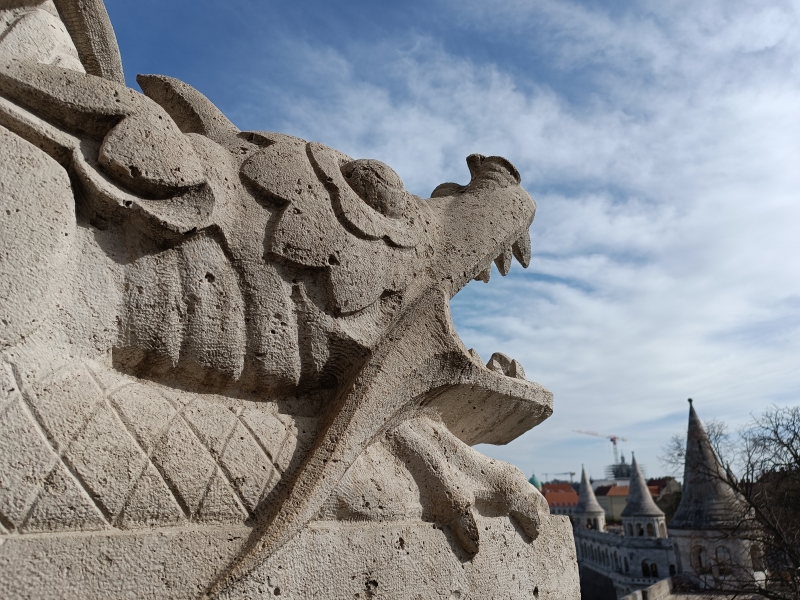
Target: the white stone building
pixel 710 560
pixel 632 558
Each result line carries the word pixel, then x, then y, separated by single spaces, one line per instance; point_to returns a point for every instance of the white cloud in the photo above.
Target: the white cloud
pixel 666 243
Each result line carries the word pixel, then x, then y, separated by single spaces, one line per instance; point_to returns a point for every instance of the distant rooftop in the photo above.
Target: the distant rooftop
pixel 557 487
pixel 561 497
pixel 622 490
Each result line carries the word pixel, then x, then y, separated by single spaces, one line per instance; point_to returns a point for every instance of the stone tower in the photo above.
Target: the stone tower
pixel 707 551
pixel 588 514
pixel 641 517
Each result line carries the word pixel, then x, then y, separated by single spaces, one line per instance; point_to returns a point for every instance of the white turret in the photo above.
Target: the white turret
pixel 641 517
pixel 712 546
pixel 588 514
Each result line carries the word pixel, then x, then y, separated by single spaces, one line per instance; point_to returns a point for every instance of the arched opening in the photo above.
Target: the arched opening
pixel 650 531
pixel 588 523
pixel 663 529
pixel 724 566
pixel 645 569
pixel 672 570
pixel 653 570
pixel 594 522
pixel 699 563
pixel 639 529
pixel 630 530
pixel 697 558
pixel 757 557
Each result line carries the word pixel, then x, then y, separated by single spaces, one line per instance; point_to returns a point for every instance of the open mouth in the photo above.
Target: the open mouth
pixel 492 402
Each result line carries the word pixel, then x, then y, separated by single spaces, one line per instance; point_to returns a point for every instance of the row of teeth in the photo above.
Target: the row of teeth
pixel 500 363
pixel 521 250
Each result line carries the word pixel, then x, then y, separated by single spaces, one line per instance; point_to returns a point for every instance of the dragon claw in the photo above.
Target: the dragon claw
pixel 454 477
pixel 466 530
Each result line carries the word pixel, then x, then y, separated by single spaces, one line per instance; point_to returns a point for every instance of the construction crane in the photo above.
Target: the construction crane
pixel 613 438
pixel 570 473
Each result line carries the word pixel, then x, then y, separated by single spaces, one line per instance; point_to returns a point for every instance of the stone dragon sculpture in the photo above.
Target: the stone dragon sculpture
pixel 204 325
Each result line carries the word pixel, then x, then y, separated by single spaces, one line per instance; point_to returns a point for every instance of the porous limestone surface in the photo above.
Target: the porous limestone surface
pixel 228 367
pixel 404 559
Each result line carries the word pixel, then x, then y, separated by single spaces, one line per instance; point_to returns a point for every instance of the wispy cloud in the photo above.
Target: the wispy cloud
pixel 661 143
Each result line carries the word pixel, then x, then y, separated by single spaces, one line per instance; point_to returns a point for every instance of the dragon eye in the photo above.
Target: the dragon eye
pixel 377 185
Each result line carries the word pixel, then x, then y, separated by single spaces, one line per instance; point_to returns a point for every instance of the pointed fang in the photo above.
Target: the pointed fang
pixel 484 275
pixel 503 262
pixel 516 370
pixel 522 249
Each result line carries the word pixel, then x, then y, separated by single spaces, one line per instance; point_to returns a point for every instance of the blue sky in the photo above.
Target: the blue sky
pixel 661 141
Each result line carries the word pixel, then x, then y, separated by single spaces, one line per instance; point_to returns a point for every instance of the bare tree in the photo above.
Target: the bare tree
pixel 769 484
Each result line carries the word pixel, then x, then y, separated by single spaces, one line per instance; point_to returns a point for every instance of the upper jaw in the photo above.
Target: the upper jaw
pixel 482 222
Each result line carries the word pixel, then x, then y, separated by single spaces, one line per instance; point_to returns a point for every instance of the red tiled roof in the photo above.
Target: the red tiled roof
pixel 561 498
pixel 621 490
pixel 557 487
pixel 659 483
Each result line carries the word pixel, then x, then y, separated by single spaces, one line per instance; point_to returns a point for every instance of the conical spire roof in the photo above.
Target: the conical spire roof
pixel 587 501
pixel 640 502
pixel 707 501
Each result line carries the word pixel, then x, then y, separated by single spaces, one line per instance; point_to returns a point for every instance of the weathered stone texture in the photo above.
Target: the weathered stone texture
pixel 228 365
